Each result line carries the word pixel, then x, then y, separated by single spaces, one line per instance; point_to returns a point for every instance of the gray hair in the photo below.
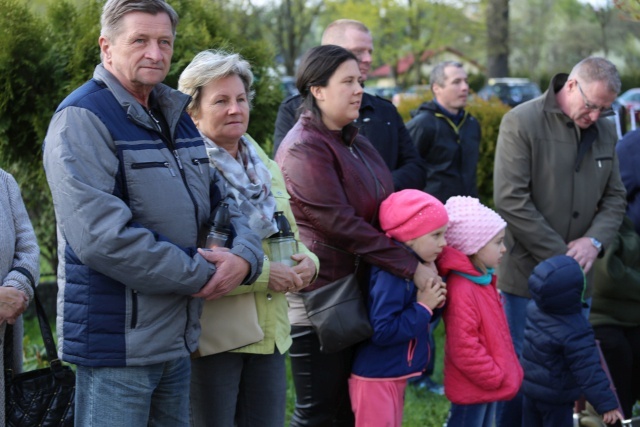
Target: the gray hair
pixel 210 65
pixel 334 33
pixel 437 76
pixel 114 10
pixel 596 69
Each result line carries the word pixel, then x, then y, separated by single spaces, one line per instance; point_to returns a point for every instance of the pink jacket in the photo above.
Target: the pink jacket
pixel 480 364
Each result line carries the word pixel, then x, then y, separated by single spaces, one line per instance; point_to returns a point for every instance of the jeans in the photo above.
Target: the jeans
pixel 240 389
pixel 154 395
pixel 321 382
pixel 509 413
pixel 479 415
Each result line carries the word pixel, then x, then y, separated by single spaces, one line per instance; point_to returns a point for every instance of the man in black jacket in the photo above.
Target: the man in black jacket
pixel 379 120
pixel 446 136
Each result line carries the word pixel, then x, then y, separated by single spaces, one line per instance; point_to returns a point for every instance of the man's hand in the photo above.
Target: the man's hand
pixel 305 268
pixel 583 251
pixel 283 278
pixel 13 302
pixel 231 270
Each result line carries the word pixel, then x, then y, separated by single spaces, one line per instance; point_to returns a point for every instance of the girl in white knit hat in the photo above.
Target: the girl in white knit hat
pixel 480 365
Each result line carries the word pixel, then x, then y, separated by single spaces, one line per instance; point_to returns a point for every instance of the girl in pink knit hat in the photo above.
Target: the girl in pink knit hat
pixel 480 364
pixel 400 313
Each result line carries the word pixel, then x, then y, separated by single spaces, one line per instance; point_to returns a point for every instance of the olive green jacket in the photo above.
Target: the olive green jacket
pixel 546 193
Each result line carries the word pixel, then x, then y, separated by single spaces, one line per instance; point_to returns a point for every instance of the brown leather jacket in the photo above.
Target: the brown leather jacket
pixel 334 200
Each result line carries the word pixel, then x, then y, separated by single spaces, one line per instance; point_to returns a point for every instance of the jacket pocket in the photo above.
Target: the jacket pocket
pixel 134 309
pixel 201 163
pixel 411 351
pixel 149 165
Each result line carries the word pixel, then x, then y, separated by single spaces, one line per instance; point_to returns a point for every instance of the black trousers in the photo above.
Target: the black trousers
pixel 621 349
pixel 321 382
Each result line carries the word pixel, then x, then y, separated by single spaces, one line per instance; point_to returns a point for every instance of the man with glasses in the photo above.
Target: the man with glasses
pixel 557 184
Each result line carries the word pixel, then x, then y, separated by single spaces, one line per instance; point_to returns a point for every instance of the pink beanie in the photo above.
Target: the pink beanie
pixel 471 224
pixel 408 214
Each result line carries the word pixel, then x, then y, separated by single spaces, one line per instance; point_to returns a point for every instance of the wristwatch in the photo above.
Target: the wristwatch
pixel 596 243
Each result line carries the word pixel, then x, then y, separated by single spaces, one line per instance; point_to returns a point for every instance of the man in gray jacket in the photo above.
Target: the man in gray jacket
pixel 133 202
pixel 557 184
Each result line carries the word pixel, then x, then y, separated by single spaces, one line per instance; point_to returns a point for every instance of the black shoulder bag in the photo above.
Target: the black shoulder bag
pixel 43 397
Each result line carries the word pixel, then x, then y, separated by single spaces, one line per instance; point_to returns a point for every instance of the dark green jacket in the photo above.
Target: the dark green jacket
pixel 616 289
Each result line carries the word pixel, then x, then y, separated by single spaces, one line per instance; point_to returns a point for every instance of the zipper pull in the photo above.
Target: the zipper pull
pixel 155 120
pixel 352 152
pixel 197 162
pixel 177 156
pixel 168 166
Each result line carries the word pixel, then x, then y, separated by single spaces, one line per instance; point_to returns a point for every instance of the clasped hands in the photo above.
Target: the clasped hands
pixel 283 278
pixel 430 285
pixel 231 270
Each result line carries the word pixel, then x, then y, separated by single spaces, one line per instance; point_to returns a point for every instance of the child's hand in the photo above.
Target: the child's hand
pixel 612 416
pixel 433 295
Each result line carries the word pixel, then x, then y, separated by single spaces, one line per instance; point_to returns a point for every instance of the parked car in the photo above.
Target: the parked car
pixel 511 91
pixel 384 92
pixel 630 100
pixel 288 86
pixel 412 93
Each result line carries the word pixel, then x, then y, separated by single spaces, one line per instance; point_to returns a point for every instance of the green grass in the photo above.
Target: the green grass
pixel 421 408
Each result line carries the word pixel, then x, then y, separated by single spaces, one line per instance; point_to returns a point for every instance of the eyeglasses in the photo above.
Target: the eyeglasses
pixel 604 111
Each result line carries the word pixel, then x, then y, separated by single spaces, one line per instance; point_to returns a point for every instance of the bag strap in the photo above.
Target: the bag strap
pixel 45 331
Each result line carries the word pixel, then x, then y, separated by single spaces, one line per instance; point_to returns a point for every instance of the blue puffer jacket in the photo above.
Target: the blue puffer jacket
pixel 399 347
pixel 560 357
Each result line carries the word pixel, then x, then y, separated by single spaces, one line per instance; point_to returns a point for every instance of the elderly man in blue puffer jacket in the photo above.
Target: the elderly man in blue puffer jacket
pixel 560 358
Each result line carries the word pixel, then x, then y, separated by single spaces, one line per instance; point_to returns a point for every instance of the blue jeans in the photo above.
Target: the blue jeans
pixel 238 389
pixel 479 415
pixel 155 395
pixel 509 413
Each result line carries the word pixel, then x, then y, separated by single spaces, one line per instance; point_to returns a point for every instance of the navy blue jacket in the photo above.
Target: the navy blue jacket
pixel 628 150
pixel 399 347
pixel 449 152
pixel 560 357
pixel 381 124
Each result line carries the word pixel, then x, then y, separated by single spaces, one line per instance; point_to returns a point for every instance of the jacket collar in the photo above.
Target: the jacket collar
pixel 171 102
pixel 550 101
pixel 367 102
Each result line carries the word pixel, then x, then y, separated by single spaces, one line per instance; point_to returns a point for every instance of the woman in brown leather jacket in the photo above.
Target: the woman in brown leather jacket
pixel 336 180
